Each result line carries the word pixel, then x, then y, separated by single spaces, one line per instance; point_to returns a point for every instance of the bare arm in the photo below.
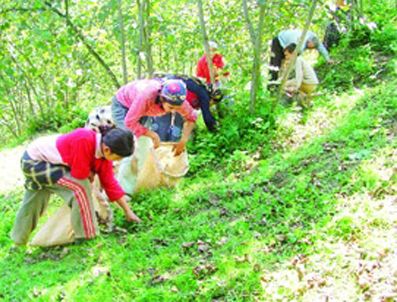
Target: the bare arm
pixel 129 214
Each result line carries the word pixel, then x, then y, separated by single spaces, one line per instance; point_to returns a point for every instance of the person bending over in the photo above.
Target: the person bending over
pixel 65 165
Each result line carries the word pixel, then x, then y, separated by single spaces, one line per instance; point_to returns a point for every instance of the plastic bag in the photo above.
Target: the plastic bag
pixel 57 230
pixel 151 168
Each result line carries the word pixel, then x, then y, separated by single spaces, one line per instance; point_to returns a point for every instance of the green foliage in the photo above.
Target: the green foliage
pixel 225 145
pixel 255 198
pixel 385 40
pixel 58 120
pixel 214 235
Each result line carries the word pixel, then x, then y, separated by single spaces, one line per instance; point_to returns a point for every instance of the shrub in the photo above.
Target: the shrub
pixel 58 119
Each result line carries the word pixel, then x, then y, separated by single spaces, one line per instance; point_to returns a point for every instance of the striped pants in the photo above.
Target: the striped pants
pixel 76 193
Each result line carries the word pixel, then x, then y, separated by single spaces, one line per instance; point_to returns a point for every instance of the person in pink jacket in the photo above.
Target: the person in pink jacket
pixel 142 98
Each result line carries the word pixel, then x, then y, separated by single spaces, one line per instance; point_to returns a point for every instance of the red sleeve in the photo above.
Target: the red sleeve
pixel 108 181
pixel 202 68
pixel 218 61
pixel 82 154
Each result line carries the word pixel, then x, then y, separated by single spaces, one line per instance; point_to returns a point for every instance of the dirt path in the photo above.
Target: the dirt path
pixel 10 172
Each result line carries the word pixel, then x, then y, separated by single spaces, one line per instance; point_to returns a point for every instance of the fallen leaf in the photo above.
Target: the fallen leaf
pixel 242 259
pixel 223 212
pixel 100 270
pixel 159 279
pixel 223 241
pixel 203 270
pixel 187 245
pixel 36 292
pixel 203 247
pixel 281 238
pixel 160 242
pixel 315 280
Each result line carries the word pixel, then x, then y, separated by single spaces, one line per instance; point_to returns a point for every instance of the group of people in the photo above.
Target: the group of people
pixel 162 108
pixel 305 79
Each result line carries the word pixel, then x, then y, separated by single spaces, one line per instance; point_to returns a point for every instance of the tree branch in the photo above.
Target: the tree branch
pixel 82 38
pixel 249 23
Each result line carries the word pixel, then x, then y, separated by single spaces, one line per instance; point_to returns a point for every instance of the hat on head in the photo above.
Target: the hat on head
pixel 174 92
pixel 314 40
pixel 213 45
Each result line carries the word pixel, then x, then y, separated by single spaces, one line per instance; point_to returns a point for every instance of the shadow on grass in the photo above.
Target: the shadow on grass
pixel 212 243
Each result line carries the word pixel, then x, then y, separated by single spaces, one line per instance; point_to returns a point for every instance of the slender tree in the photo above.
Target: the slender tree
pixel 83 39
pixel 144 45
pixel 297 49
pixel 141 37
pixel 207 51
pixel 122 40
pixel 148 44
pixel 256 39
pixel 205 40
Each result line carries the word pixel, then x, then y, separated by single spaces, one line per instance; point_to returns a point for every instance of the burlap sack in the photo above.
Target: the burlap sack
pixel 151 168
pixel 57 230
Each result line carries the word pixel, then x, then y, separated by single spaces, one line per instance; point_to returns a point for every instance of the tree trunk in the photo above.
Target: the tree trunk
pixel 141 38
pixel 29 81
pixel 208 54
pixel 122 42
pixel 15 114
pixel 30 101
pixel 148 45
pixel 298 47
pixel 256 69
pixel 249 23
pixel 205 41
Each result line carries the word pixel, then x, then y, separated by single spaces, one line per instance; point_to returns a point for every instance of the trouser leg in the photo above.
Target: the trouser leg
pixel 306 93
pixel 118 113
pixel 33 206
pixel 77 193
pixel 276 57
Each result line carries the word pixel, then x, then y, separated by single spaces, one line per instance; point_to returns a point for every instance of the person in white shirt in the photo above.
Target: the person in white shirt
pixel 305 80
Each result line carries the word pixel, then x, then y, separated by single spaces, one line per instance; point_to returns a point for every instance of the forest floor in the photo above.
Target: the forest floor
pixel 10 172
pixel 309 214
pixel 314 222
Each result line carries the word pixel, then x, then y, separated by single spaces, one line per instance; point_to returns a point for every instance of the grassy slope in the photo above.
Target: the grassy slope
pixel 294 222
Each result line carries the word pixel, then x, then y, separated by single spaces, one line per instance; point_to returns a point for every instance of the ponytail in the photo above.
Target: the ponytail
pixel 120 141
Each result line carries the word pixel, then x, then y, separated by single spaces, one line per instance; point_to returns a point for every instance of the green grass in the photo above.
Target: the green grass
pixel 246 224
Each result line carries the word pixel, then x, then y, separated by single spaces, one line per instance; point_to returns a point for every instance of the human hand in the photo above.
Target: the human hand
pixel 179 147
pixel 131 217
pixel 290 89
pixel 91 177
pixel 155 138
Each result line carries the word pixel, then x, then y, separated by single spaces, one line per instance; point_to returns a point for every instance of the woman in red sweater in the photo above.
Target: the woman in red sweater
pixel 65 165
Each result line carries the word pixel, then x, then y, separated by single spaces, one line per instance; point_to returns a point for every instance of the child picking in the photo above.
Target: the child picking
pixel 65 165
